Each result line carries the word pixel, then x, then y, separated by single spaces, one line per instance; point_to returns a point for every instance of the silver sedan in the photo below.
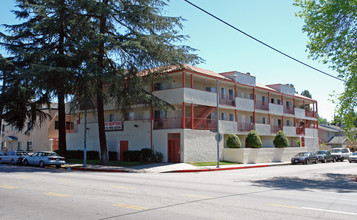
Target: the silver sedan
pixel 353 157
pixel 44 158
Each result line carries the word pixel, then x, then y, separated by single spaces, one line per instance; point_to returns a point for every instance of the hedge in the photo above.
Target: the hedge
pixel 280 140
pixel 233 141
pixel 253 140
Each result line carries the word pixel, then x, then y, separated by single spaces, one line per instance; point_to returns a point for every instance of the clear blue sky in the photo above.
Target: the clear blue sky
pixel 224 49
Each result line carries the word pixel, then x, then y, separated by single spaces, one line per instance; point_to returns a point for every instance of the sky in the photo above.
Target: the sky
pixel 224 49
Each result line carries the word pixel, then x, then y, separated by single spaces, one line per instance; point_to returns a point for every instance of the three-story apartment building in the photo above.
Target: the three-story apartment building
pixel 188 133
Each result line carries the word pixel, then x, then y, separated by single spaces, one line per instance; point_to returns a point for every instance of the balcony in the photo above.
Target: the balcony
pixel 179 95
pixel 261 105
pixel 263 129
pixel 275 109
pixel 289 110
pixel 227 100
pixel 300 131
pixel 245 104
pixel 310 114
pixel 275 128
pixel 176 122
pixel 245 127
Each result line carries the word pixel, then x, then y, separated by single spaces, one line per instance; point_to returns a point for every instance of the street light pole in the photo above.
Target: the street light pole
pixel 218 135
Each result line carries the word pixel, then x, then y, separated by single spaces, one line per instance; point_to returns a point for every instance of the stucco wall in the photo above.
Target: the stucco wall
pixel 310 132
pixel 263 129
pixel 289 130
pixel 201 146
pixel 227 127
pixel 245 104
pixel 275 109
pixel 263 155
pixel 299 113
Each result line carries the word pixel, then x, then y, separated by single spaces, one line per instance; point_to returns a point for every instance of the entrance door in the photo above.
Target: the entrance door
pixel 174 148
pixel 123 147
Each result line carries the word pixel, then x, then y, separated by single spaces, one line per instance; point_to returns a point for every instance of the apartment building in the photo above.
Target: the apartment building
pixel 44 137
pixel 188 133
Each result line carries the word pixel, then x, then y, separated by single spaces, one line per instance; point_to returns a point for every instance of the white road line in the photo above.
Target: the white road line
pixel 333 211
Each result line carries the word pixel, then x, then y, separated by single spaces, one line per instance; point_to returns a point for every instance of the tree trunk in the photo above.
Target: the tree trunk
pixel 100 105
pixel 61 94
pixel 62 125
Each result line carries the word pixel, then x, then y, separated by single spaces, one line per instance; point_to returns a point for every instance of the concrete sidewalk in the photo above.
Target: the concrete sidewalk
pixel 167 167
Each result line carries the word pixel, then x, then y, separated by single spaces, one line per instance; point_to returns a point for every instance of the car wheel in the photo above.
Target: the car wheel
pixel 350 161
pixel 342 159
pixel 307 161
pixel 324 161
pixel 42 164
pixel 334 160
pixel 13 162
pixel 58 166
pixel 316 161
pixel 26 163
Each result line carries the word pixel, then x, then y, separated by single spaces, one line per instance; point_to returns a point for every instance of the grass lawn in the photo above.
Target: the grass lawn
pixel 201 164
pixel 110 163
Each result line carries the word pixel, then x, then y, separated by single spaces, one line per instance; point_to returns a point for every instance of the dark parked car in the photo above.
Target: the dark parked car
pixel 325 156
pixel 304 158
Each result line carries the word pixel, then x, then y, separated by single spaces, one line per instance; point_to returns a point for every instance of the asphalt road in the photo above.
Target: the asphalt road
pixel 322 191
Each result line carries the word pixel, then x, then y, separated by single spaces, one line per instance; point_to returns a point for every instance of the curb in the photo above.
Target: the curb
pixel 223 169
pixel 99 170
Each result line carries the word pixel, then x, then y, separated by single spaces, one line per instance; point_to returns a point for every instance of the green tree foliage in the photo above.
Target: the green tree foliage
pixel 253 140
pixel 331 27
pixel 306 93
pixel 233 141
pixel 280 140
pixel 322 120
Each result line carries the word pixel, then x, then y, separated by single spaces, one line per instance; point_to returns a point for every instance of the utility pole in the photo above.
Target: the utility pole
pixel 218 138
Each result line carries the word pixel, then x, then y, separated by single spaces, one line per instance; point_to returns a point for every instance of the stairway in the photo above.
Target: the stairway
pixel 202 115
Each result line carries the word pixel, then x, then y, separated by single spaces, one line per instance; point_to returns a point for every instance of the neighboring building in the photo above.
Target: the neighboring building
pixel 40 138
pixel 187 134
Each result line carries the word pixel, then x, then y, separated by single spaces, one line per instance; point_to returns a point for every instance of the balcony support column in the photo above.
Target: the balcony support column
pixel 183 115
pixel 236 115
pixel 192 116
pixel 183 79
pixel 282 100
pixel 313 109
pixel 191 81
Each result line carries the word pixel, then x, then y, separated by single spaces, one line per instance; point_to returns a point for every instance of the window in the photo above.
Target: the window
pixel 289 123
pixel 279 121
pixel 263 99
pixel 223 116
pixel 160 114
pixel 251 119
pixel 251 96
pixel 231 94
pixel 29 146
pixel 223 93
pixel 272 100
pixel 208 89
pixel 19 146
pixel 231 117
pixel 69 125
pixel 278 102
pixel 264 120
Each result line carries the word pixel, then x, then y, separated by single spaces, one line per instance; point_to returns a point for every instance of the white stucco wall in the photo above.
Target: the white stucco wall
pixel 311 144
pixel 289 130
pixel 227 127
pixel 262 155
pixel 299 113
pixel 244 78
pixel 173 96
pixel 263 129
pixel 201 146
pixel 245 104
pixel 200 97
pixel 311 132
pixel 275 109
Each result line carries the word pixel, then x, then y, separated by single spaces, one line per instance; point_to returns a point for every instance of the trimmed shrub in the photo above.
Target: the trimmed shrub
pixel 233 141
pixel 280 140
pixel 146 154
pixel 92 155
pixel 113 155
pixel 298 143
pixel 157 157
pixel 253 140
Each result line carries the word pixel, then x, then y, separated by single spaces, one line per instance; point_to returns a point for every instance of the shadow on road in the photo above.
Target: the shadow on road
pixel 6 168
pixel 342 183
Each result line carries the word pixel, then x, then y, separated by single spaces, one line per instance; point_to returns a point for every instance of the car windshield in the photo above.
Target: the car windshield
pixel 336 151
pixel 354 154
pixel 302 154
pixel 321 152
pixel 21 153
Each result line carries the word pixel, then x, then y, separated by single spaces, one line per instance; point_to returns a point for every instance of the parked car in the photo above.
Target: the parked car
pixel 325 156
pixel 44 158
pixel 353 157
pixel 304 158
pixel 13 157
pixel 341 153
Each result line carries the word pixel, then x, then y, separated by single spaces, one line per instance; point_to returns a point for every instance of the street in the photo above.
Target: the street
pixel 322 191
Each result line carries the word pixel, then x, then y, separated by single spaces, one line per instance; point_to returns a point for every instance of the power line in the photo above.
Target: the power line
pixel 261 42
